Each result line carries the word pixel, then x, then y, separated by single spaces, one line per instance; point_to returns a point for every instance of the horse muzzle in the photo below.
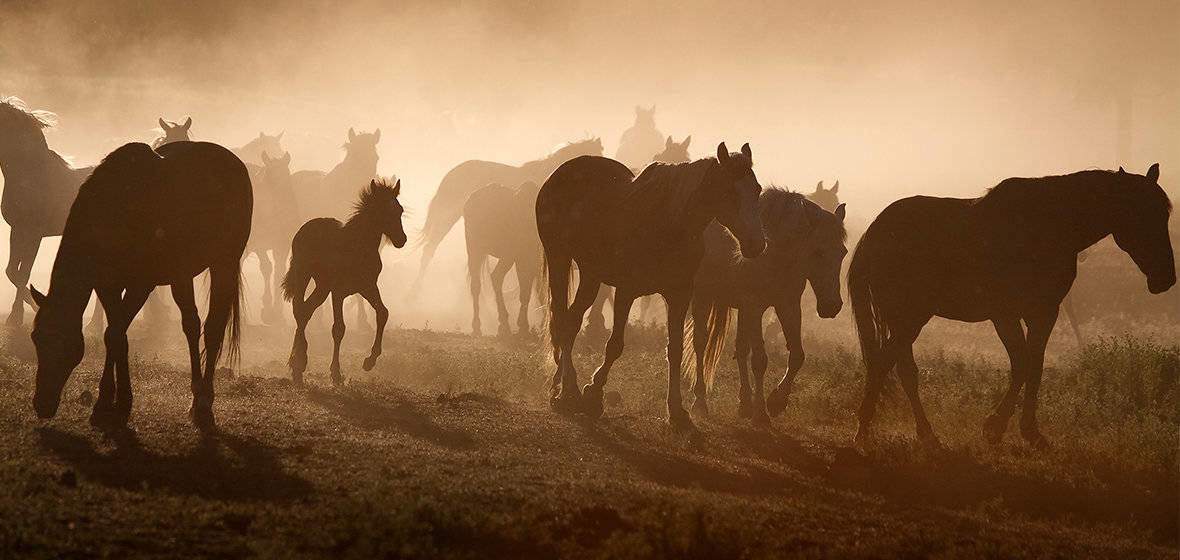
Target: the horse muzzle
pixel 829 309
pixel 1161 283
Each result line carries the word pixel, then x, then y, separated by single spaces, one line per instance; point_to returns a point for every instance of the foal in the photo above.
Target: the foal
pixel 343 259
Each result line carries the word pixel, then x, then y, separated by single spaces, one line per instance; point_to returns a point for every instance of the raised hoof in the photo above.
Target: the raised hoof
pixel 993 429
pixel 369 363
pixel 592 401
pixel 679 419
pixel 776 402
pixel 566 404
pixel 745 408
pixel 700 408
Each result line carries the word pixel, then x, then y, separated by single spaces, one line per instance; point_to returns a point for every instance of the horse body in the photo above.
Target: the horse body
pixel 329 193
pixel 1007 257
pixel 39 186
pixel 343 259
pixel 640 143
pixel 805 244
pixel 276 218
pixel 446 207
pixel 143 219
pixel 263 145
pixel 642 235
pixel 500 222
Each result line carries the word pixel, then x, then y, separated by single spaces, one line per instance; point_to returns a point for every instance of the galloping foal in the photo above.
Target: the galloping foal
pixel 642 235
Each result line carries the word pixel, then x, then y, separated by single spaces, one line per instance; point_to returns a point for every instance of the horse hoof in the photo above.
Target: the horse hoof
pixel 760 418
pixel 1036 440
pixel 564 404
pixel 745 408
pixel 297 378
pixel 592 401
pixel 679 419
pixel 337 379
pixel 369 363
pixel 776 403
pixel 202 417
pixel 993 429
pixel 700 408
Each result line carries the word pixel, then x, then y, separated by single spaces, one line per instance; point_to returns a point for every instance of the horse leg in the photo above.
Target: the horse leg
pixel 373 296
pixel 265 266
pixel 877 367
pixel 1012 334
pixel 95 326
pixel 337 336
pixel 592 393
pixel 596 324
pixel 677 302
pixel 1040 326
pixel 223 297
pixel 741 353
pixel 475 263
pixel 104 405
pixel 791 322
pixel 559 278
pixel 525 277
pixel 116 344
pixel 907 371
pixel 700 342
pixel 303 311
pixel 190 321
pixel 758 361
pixel 570 395
pixel 498 274
pixel 22 252
pixel 1068 308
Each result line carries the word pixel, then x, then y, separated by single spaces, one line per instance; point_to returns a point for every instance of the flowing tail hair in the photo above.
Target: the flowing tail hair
pixel 553 299
pixel 871 328
pixel 716 327
pixel 296 279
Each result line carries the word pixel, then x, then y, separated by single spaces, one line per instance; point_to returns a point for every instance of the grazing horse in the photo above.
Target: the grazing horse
pixel 146 218
pixel 173 132
pixel 804 244
pixel 343 259
pixel 642 235
pixel 1006 257
pixel 501 222
pixel 640 143
pixel 276 218
pixel 828 199
pixel 39 186
pixel 446 207
pixel 252 151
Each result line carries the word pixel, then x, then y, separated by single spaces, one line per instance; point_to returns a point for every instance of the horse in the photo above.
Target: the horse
pixel 276 218
pixel 805 244
pixel 1005 257
pixel 173 132
pixel 146 218
pixel 446 207
pixel 642 235
pixel 674 152
pixel 343 259
pixel 39 186
pixel 330 192
pixel 642 141
pixel 252 151
pixel 828 199
pixel 500 221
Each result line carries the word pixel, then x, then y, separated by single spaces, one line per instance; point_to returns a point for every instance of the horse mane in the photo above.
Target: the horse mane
pixel 662 191
pixel 373 193
pixel 33 117
pixel 1016 193
pixel 118 166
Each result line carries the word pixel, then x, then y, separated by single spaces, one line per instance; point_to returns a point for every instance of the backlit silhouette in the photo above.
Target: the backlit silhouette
pixel 640 143
pixel 828 199
pixel 143 219
pixel 501 222
pixel 276 218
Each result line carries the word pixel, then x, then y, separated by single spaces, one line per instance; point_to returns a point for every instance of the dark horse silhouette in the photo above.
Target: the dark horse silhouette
pixel 642 235
pixel 499 221
pixel 143 219
pixel 446 207
pixel 343 259
pixel 805 243
pixel 39 186
pixel 1006 257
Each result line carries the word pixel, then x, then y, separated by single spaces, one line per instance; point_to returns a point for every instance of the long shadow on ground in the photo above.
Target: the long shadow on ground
pixel 400 417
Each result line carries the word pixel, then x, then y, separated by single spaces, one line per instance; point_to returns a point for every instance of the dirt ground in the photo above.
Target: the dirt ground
pixel 448 449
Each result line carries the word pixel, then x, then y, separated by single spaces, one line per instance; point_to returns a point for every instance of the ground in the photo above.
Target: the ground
pixel 448 449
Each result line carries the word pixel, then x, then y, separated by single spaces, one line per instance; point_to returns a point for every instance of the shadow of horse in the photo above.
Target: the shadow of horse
pixel 222 466
pixel 398 418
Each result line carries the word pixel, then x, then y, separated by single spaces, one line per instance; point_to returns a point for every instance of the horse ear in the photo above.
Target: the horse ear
pixel 351 134
pixel 746 150
pixel 163 124
pixel 687 139
pixel 376 135
pixel 722 153
pixel 668 143
pixel 188 122
pixel 835 187
pixel 397 188
pixel 840 212
pixel 1121 169
pixel 38 297
pixel 1153 173
pixel 819 187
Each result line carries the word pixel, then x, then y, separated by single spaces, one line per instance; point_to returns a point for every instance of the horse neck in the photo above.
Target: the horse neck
pixel 363 231
pixel 69 282
pixel 1078 216
pixel 14 162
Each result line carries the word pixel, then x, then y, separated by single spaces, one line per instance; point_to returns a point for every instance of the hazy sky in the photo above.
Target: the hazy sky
pixel 892 98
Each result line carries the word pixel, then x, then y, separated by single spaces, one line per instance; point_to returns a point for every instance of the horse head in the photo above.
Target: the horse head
pixel 828 199
pixel 645 118
pixel 174 132
pixel 674 152
pixel 270 145
pixel 737 189
pixel 363 146
pixel 57 337
pixel 1141 227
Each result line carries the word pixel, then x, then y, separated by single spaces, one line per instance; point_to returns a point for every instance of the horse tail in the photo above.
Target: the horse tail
pixel 871 328
pixel 555 298
pixel 297 278
pixel 716 327
pixel 233 342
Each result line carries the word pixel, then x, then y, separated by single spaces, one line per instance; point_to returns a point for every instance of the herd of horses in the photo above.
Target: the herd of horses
pixel 703 234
